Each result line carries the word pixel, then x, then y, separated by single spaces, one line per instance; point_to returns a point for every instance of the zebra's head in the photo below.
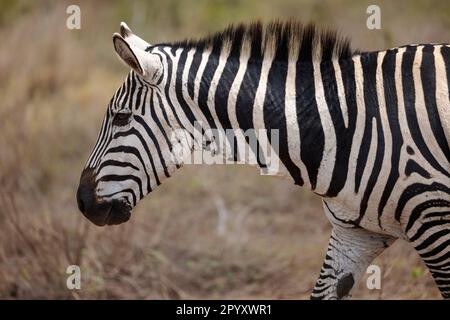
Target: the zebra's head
pixel 130 157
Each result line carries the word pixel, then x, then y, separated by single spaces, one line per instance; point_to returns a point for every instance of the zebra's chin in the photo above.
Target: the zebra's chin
pixel 119 213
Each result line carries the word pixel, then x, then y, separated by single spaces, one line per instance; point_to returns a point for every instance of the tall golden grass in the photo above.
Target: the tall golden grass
pixel 222 232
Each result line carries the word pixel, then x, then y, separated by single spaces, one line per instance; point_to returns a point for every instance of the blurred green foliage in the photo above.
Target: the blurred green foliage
pixel 417 272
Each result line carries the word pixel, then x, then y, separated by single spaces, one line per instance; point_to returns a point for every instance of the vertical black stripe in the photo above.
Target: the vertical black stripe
pixel 140 97
pixel 390 96
pixel 223 90
pixel 205 84
pixel 369 67
pixel 167 88
pixel 274 113
pixel 428 76
pixel 126 92
pixel 348 80
pixel 410 110
pixel 163 111
pixel 312 137
pixel 343 135
pixel 120 94
pixel 155 142
pixel 157 120
pixel 151 135
pixel 445 51
pixel 196 60
pixel 179 87
pixel 225 82
pixel 137 84
pixel 245 100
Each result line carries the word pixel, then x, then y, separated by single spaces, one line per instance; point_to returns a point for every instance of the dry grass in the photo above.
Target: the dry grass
pixel 222 232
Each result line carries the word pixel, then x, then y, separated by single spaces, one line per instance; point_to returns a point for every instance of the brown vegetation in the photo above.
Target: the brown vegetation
pixel 223 232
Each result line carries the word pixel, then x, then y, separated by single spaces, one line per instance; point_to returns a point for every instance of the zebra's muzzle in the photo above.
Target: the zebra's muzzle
pixel 97 211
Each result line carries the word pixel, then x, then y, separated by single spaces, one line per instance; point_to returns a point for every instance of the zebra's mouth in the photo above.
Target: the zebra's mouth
pixel 119 212
pixel 108 213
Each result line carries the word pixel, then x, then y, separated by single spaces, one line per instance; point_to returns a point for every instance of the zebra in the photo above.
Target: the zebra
pixel 366 131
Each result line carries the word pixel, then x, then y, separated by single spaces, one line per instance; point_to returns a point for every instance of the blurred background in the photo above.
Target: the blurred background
pixel 209 232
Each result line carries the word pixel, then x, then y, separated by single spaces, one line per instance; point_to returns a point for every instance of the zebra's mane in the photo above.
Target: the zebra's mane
pixel 285 40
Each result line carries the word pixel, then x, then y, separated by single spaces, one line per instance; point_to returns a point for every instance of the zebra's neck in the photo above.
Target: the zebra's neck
pixel 305 102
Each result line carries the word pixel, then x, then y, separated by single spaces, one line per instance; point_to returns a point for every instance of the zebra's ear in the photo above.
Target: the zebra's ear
pixel 131 38
pixel 129 54
pixel 144 63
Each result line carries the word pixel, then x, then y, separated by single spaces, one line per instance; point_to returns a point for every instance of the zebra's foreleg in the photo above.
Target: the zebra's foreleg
pixel 350 251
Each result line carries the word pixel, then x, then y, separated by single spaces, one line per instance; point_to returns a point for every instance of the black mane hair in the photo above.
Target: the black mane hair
pixel 285 40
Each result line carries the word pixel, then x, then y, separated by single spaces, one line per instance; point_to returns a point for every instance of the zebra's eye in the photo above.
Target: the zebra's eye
pixel 121 119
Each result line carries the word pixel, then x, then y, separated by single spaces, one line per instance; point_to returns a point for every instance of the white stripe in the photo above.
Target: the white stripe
pixel 258 117
pixel 442 94
pixel 383 176
pixel 341 91
pixel 199 116
pixel 329 149
pixel 232 112
pixel 292 125
pixel 223 141
pixel 349 188
pixel 421 111
pixel 201 69
pixel 173 96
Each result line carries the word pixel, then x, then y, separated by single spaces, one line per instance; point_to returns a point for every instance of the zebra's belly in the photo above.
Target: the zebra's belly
pixel 348 214
pixel 413 200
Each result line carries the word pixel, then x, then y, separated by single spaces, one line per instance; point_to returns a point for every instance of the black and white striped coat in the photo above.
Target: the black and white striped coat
pixel 369 132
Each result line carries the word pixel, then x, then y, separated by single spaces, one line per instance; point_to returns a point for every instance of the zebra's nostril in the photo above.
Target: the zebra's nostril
pixel 85 198
pixel 80 203
pixel 86 191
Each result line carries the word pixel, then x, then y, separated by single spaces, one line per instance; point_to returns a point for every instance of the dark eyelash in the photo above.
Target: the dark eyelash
pixel 121 119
